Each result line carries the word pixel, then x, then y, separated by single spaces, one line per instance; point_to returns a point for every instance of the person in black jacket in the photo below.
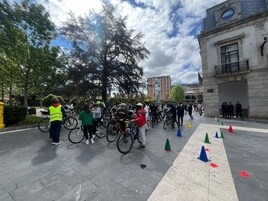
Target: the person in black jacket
pixel 238 109
pixel 231 109
pixel 190 111
pixel 180 111
pixel 173 116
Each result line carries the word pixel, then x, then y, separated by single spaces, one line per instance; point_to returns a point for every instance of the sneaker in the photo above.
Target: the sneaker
pixel 93 136
pixel 92 141
pixel 87 141
pixel 57 143
pixel 142 146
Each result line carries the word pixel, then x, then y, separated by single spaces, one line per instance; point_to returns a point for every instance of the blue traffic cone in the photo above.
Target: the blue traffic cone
pixel 203 155
pixel 216 135
pixel 179 132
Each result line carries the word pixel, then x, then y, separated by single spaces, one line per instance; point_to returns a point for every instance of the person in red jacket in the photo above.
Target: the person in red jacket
pixel 140 120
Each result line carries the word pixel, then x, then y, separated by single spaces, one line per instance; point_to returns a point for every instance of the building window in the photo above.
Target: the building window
pixel 227 14
pixel 230 58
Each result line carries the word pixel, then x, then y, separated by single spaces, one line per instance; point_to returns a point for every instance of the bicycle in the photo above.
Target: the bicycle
pixel 168 121
pixel 68 123
pixel 77 135
pixel 127 138
pixel 114 128
pixel 154 120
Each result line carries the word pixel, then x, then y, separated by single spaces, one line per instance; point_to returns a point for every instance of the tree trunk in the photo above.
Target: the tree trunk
pixel 2 92
pixel 104 85
pixel 10 93
pixel 25 89
pixel 104 91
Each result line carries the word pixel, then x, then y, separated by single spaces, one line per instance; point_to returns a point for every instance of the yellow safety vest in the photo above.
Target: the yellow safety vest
pixel 55 113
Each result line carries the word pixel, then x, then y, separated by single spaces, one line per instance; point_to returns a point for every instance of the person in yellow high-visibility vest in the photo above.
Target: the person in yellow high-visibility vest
pixel 56 113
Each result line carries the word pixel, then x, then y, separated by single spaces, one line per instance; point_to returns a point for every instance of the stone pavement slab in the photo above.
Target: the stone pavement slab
pixel 192 179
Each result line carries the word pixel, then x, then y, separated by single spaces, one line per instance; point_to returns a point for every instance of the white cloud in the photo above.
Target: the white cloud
pixel 169 56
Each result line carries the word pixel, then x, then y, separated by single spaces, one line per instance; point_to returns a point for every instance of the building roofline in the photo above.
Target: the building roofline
pixel 216 6
pixel 232 24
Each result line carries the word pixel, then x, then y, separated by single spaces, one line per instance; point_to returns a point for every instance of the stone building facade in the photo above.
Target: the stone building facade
pixel 235 56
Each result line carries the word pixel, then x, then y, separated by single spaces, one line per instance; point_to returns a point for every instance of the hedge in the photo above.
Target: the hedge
pixel 14 114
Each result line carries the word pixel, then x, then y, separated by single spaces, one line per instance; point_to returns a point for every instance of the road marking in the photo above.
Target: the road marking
pixel 258 130
pixel 78 192
pixel 14 131
pixel 192 179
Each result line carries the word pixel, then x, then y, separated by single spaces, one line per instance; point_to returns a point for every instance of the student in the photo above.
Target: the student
pixel 86 116
pixel 140 120
pixel 180 111
pixel 56 113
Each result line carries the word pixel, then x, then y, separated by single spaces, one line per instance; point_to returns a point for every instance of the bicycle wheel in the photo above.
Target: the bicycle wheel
pixel 165 124
pixel 125 142
pixel 44 125
pixel 138 137
pixel 105 122
pixel 111 133
pixel 70 123
pixel 101 131
pixel 148 123
pixel 76 135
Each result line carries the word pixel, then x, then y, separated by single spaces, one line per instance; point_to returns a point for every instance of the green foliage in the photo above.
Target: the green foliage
pixel 107 52
pixel 26 56
pixel 48 100
pixel 14 114
pixel 30 120
pixel 177 94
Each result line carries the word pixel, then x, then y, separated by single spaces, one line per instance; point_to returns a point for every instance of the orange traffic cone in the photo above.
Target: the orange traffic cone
pixel 230 130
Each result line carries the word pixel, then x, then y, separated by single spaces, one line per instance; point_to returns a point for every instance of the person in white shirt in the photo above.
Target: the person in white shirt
pixel 97 113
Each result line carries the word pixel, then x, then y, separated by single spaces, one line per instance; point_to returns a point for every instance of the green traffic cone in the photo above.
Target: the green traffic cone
pixel 222 135
pixel 167 146
pixel 207 139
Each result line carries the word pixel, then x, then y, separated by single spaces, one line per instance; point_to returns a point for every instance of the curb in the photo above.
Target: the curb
pixel 17 128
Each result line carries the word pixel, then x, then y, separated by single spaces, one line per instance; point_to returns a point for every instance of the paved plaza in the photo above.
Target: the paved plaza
pixel 32 169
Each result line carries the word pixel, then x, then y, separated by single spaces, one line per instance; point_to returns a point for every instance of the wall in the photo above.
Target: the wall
pixel 251 35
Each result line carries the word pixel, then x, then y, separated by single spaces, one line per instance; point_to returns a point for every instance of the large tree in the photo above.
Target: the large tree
pixel 104 52
pixel 177 94
pixel 25 34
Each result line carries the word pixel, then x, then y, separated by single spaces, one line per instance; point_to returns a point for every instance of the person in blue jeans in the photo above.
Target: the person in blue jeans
pixel 56 113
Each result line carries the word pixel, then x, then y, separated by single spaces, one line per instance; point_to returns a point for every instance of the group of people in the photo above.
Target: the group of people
pixel 176 112
pixel 90 118
pixel 228 110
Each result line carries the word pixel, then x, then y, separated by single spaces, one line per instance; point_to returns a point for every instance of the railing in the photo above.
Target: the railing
pixel 241 66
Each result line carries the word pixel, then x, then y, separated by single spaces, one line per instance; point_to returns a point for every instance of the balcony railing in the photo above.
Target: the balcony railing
pixel 235 67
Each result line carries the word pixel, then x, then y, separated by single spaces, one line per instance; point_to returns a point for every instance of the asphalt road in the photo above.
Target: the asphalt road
pixel 32 169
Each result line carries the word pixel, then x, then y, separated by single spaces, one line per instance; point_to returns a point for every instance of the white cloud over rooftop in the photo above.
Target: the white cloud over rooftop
pixel 169 27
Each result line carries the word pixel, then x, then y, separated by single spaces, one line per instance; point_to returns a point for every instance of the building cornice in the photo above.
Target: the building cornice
pixel 233 24
pixel 235 38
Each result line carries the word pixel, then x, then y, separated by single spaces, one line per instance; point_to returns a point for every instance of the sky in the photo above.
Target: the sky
pixel 170 29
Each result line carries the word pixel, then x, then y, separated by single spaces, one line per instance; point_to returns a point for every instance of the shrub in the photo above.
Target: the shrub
pixel 14 114
pixel 31 110
pixel 48 100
